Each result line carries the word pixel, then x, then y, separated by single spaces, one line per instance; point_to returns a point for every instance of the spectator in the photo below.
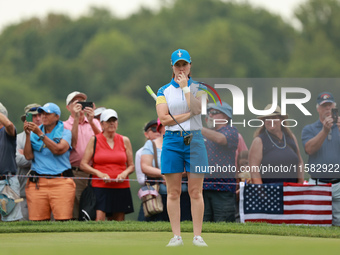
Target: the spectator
pixel 98 111
pixel 49 146
pixel 83 126
pixel 243 174
pixel 8 167
pixel 153 173
pixel 275 146
pixel 221 143
pixel 321 141
pixel 242 146
pixel 150 132
pixel 24 165
pixel 113 163
pixel 182 98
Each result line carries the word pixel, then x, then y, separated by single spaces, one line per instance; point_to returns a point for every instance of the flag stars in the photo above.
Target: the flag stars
pixel 263 198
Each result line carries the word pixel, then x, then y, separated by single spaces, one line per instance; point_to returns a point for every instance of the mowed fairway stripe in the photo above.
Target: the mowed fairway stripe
pixel 102 243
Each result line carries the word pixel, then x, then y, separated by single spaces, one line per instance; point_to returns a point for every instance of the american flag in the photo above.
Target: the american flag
pixel 288 203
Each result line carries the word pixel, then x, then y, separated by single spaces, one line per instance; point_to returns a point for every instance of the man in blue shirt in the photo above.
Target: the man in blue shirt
pixel 321 141
pixel 221 143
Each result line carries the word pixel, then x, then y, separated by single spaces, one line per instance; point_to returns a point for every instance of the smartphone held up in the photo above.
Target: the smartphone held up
pixel 335 115
pixel 86 104
pixel 29 117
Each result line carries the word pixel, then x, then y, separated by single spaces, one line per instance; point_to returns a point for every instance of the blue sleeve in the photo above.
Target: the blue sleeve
pixel 160 92
pixel 231 134
pixel 67 136
pixel 307 134
pixel 148 148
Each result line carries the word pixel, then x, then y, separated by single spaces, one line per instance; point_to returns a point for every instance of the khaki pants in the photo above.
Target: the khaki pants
pixel 81 184
pixel 54 195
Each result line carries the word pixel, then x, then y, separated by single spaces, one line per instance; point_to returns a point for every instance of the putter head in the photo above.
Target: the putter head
pixel 187 139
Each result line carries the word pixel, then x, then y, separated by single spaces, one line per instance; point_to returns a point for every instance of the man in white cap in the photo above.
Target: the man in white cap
pixel 7 161
pixel 98 111
pixel 23 164
pixel 83 126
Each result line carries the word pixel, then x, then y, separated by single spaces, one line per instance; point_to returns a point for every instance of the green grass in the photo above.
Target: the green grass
pixel 102 243
pixel 134 226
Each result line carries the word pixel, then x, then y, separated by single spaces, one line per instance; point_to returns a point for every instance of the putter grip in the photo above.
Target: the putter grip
pixel 149 90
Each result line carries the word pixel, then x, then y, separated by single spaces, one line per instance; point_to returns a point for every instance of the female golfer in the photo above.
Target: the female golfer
pixel 182 99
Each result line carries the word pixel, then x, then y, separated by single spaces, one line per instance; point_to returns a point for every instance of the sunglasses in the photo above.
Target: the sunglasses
pixel 33 109
pixel 153 129
pixel 214 112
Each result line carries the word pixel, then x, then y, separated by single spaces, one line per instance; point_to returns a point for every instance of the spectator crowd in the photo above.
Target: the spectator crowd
pixel 50 162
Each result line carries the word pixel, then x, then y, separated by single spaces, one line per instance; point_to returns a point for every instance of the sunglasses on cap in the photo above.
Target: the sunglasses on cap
pixel 33 109
pixel 153 129
pixel 214 112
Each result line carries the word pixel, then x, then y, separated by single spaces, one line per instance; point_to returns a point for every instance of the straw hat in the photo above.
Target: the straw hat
pixel 277 112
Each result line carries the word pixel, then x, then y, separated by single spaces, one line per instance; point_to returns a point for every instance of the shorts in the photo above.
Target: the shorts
pixel 113 200
pixel 54 195
pixel 16 213
pixel 176 156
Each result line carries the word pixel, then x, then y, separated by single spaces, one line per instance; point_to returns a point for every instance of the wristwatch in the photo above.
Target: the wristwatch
pixel 41 137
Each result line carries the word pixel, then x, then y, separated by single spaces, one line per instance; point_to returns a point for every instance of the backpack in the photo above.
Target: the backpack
pixel 87 202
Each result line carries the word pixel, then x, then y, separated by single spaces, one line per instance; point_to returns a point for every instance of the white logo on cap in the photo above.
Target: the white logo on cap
pixel 179 54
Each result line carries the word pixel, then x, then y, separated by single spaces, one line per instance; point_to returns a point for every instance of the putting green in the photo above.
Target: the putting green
pixel 101 243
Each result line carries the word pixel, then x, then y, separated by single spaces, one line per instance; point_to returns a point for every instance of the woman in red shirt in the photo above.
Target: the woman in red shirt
pixel 111 154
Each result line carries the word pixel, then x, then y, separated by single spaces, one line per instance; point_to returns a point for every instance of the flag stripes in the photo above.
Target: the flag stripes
pixel 286 203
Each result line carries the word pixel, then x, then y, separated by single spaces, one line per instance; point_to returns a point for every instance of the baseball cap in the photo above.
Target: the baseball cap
pixel 149 124
pixel 99 111
pixel 73 95
pixel 325 97
pixel 3 110
pixel 31 108
pixel 180 54
pixel 107 114
pixel 50 108
pixel 225 108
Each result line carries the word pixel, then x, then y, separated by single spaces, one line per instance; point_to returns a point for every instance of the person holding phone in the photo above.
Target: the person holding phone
pixel 182 98
pixel 50 189
pixel 321 141
pixel 83 126
pixel 31 115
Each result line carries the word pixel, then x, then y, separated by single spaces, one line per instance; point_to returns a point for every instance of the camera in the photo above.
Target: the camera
pixel 29 117
pixel 86 104
pixel 187 139
pixel 335 115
